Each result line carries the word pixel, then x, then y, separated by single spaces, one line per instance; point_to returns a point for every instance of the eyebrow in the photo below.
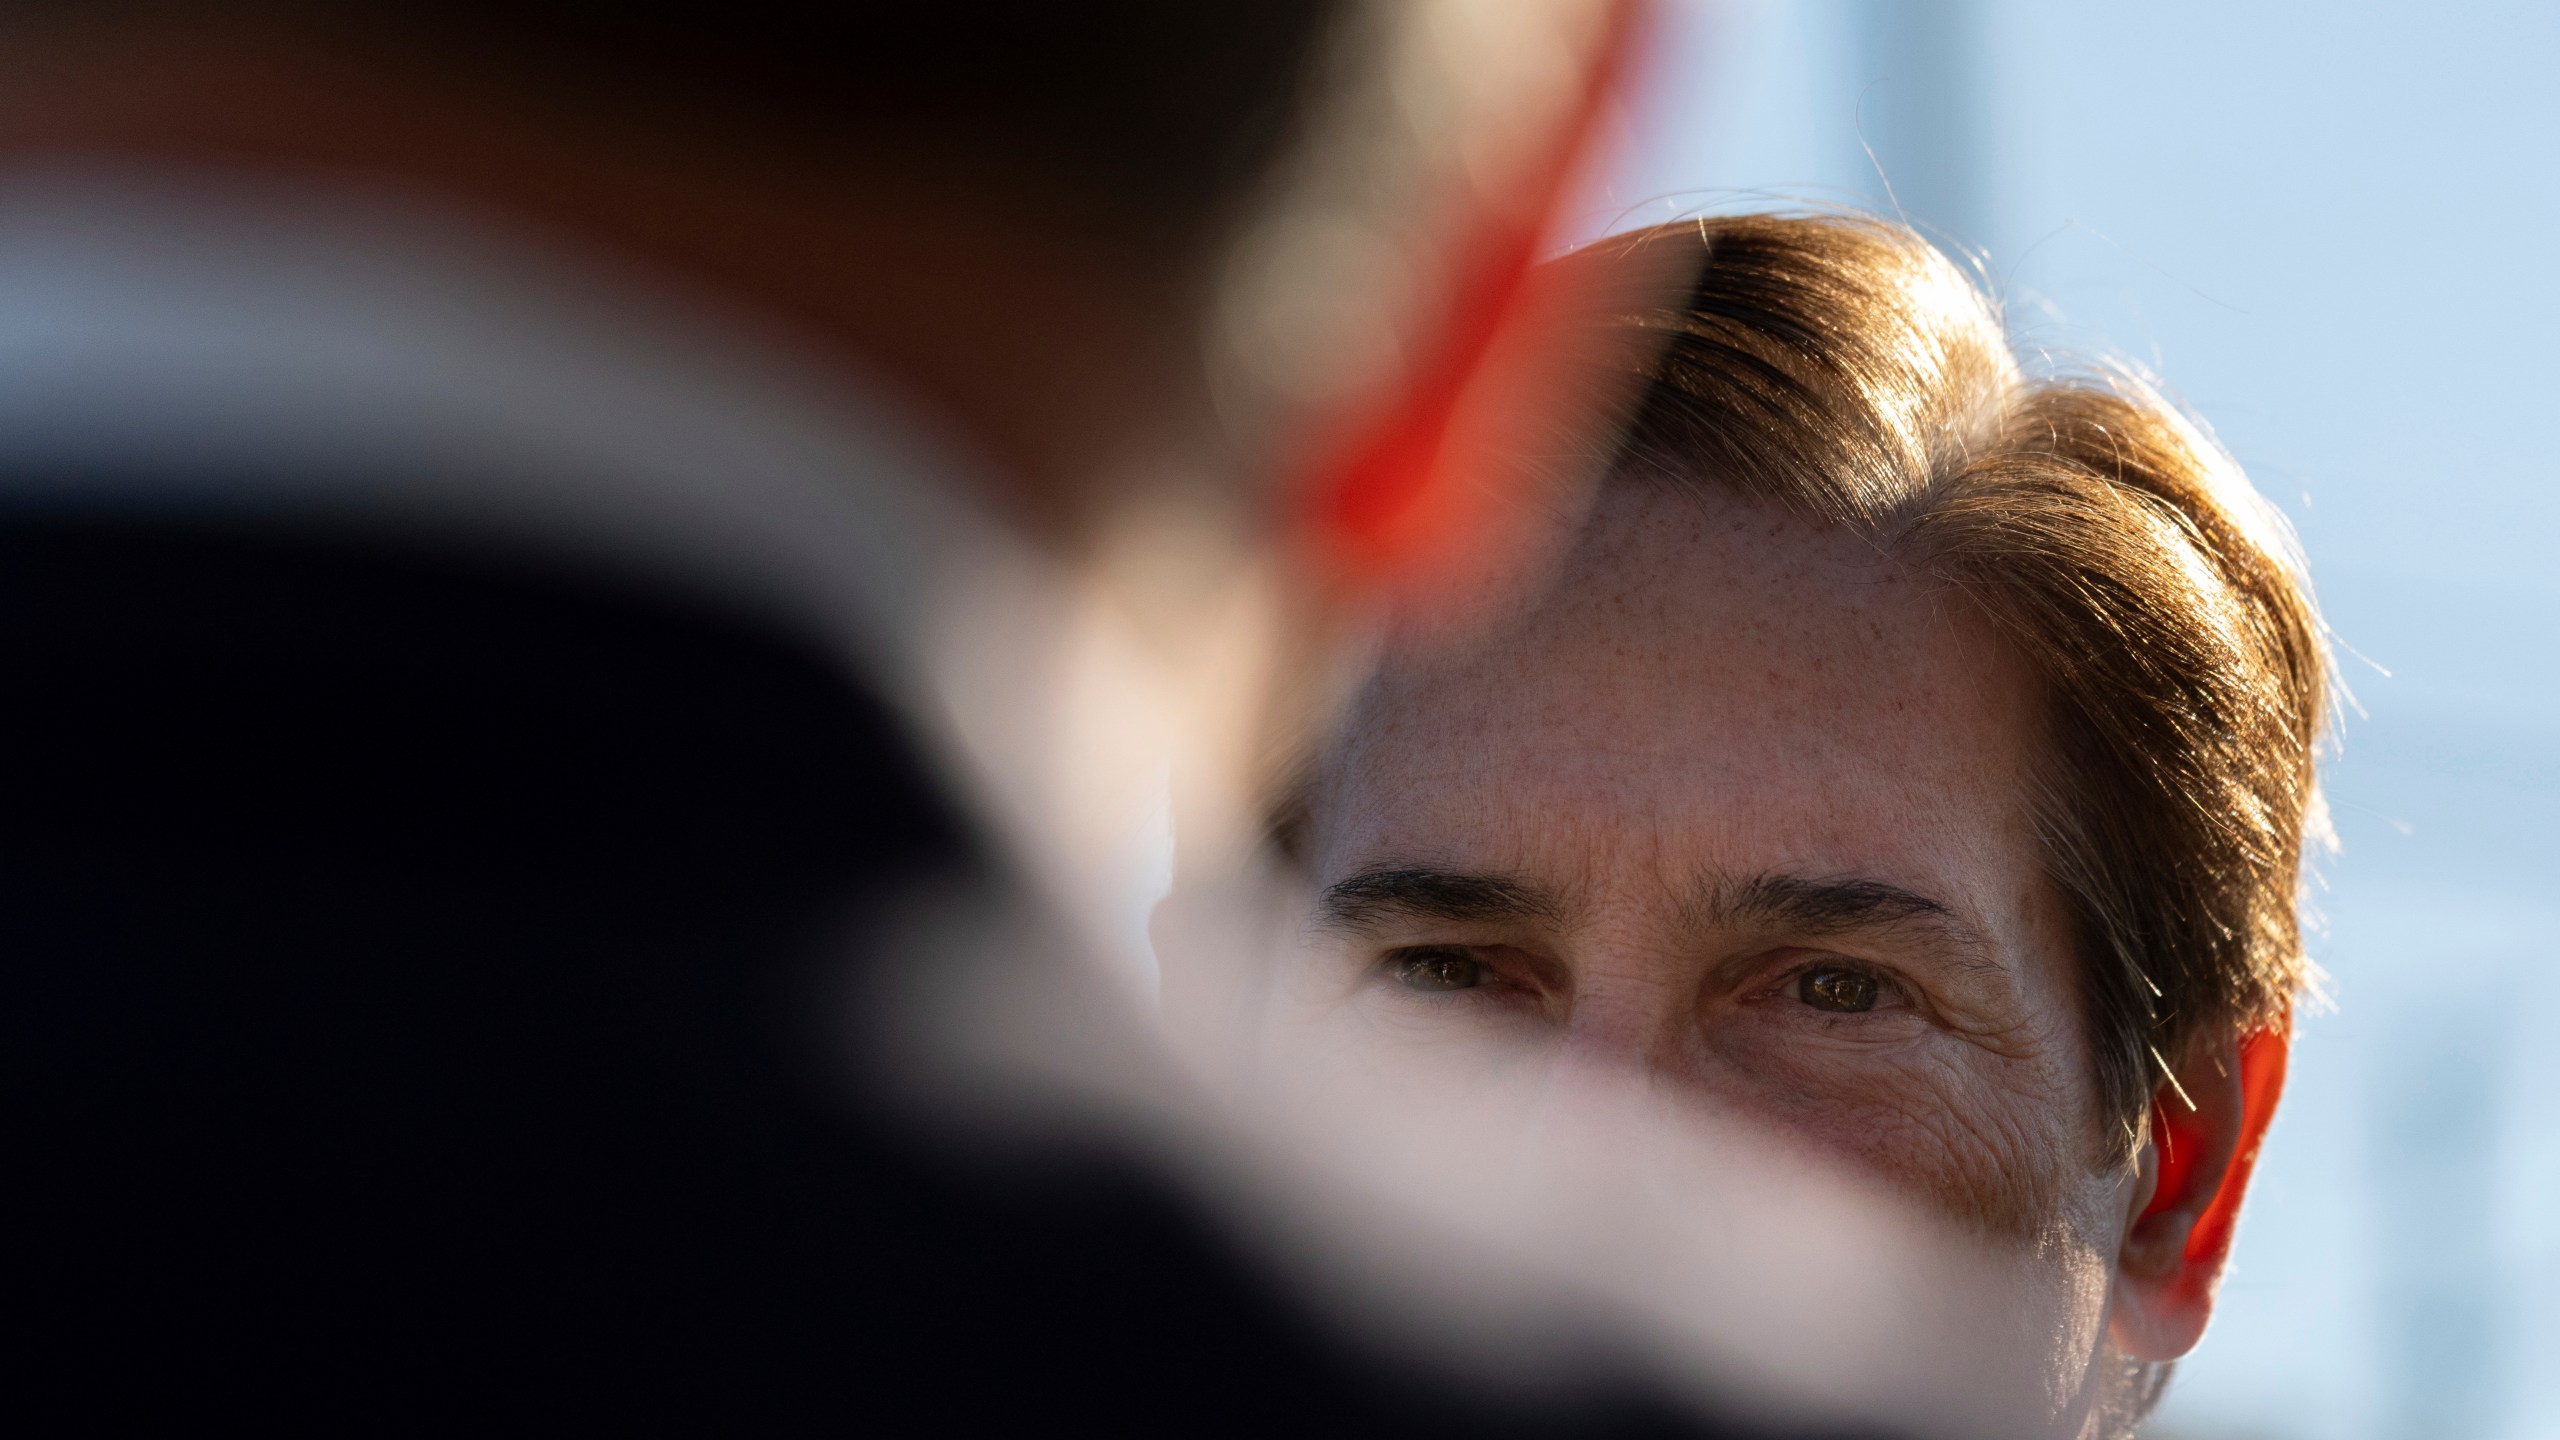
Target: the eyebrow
pixel 1413 892
pixel 1820 906
pixel 1816 907
pixel 1370 898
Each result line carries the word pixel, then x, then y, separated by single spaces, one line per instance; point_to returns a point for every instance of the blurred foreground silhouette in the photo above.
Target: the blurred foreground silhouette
pixel 598 606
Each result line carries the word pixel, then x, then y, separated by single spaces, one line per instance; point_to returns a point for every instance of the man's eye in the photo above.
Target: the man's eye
pixel 1440 968
pixel 1843 992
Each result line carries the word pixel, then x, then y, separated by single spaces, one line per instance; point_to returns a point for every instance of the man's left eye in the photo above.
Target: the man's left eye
pixel 1840 991
pixel 1440 967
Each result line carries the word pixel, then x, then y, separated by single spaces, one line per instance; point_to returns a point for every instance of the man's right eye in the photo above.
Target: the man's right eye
pixel 1439 967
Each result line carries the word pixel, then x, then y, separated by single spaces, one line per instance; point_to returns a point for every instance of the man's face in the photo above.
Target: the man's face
pixel 1743 809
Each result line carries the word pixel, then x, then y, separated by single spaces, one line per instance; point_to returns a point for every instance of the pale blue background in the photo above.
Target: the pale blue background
pixel 2332 230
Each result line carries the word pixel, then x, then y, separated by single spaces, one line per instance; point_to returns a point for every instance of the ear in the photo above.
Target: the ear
pixel 2207 1123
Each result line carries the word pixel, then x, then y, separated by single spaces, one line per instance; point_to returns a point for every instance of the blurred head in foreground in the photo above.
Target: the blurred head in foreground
pixel 1912 758
pixel 555 555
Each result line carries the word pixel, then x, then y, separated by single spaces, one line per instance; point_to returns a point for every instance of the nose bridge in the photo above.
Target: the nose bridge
pixel 1633 1009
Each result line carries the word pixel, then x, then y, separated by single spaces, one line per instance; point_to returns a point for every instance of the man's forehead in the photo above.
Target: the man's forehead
pixel 1728 687
pixel 1700 858
pixel 1675 604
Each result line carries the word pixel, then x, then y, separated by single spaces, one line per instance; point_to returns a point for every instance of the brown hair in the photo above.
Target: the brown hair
pixel 1842 367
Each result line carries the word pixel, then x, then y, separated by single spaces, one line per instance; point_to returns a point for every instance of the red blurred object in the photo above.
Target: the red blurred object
pixel 1417 488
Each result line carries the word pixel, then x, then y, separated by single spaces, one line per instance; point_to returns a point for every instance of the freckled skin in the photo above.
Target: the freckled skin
pixel 1711 691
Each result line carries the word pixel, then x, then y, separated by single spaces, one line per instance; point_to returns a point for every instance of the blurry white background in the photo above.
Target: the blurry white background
pixel 2329 228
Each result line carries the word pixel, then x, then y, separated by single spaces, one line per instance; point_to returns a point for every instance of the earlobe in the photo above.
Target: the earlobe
pixel 2207 1124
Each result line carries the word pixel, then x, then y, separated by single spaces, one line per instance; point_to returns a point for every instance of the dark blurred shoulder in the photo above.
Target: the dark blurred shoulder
pixel 428 966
